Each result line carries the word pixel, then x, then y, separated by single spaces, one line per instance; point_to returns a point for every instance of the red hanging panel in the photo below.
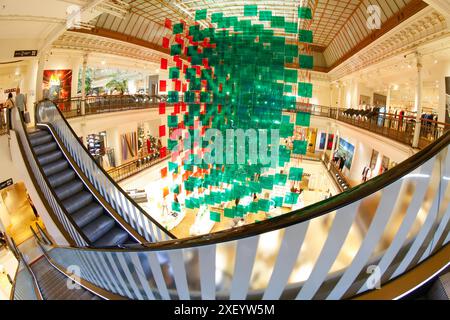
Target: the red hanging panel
pixel 162 108
pixel 162 85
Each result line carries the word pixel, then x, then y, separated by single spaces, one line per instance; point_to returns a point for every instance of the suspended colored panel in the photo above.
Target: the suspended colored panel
pixel 305 36
pixel 265 15
pixel 216 17
pixel 277 22
pixel 178 28
pixel 300 147
pixel 176 207
pixel 214 216
pixel 304 13
pixel 264 205
pixel 168 24
pixel 305 90
pixel 175 50
pixel 173 167
pixel 291 27
pixel 290 76
pixel 162 108
pixel 288 88
pixel 303 119
pixel 278 201
pixel 266 182
pixel 229 213
pixel 164 172
pixel 250 10
pixel 165 43
pixel 295 174
pixel 291 198
pixel 280 179
pixel 172 121
pixel 200 14
pixel 163 64
pixel 305 61
pixel 162 85
pixel 173 97
pixel 287 130
pixel 162 131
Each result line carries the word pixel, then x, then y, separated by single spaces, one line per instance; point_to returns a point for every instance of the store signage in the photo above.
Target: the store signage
pixel 10 90
pixel 6 184
pixel 25 53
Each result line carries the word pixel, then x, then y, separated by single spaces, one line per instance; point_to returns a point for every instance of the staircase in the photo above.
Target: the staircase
pixel 87 213
pixel 53 284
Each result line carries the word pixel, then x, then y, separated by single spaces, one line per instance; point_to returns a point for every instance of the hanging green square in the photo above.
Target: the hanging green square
pixel 305 61
pixel 291 198
pixel 264 205
pixel 176 207
pixel 277 22
pixel 214 216
pixel 216 17
pixel 290 75
pixel 304 13
pixel 280 179
pixel 178 28
pixel 305 36
pixel 229 213
pixel 265 15
pixel 174 73
pixel 303 119
pixel 291 27
pixel 175 50
pixel 266 182
pixel 200 14
pixel 296 174
pixel 173 96
pixel 305 90
pixel 172 121
pixel 287 130
pixel 300 147
pixel 250 10
pixel 278 201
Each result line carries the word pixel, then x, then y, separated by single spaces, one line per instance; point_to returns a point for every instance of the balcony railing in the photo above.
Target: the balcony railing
pixel 134 167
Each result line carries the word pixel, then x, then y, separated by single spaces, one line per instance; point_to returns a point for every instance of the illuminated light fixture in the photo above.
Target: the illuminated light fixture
pixel 435 61
pixel 103 62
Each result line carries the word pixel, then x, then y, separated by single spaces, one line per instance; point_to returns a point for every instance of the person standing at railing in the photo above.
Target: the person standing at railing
pixel 21 102
pixel 9 104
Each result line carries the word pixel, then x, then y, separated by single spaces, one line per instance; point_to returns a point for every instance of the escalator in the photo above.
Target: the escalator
pixel 88 207
pixel 87 213
pixel 53 284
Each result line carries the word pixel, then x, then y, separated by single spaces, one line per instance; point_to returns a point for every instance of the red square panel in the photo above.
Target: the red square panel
pixel 162 131
pixel 162 85
pixel 162 108
pixel 166 43
pixel 163 64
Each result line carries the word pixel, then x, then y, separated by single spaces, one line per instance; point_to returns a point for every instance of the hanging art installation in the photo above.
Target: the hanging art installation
pixel 229 75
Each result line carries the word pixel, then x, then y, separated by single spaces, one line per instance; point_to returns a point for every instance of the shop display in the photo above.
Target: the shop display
pixel 96 146
pixel 129 146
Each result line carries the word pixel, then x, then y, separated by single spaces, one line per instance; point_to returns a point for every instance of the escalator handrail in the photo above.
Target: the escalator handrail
pixel 308 213
pixel 118 188
pixel 45 201
pixel 106 206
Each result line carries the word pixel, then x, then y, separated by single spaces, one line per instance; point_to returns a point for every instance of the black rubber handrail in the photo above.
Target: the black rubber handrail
pixel 311 212
pixel 167 232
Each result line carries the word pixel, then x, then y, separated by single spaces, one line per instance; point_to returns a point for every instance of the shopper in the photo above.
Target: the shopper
pixel 32 206
pixel 21 102
pixel 9 105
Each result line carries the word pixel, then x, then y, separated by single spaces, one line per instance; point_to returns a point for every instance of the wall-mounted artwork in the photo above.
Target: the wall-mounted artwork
pixel 346 150
pixel 58 83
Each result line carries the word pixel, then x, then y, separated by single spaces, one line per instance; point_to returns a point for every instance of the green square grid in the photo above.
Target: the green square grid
pixel 200 14
pixel 304 13
pixel 214 216
pixel 174 73
pixel 296 174
pixel 305 61
pixel 250 10
pixel 175 50
pixel 178 28
pixel 305 90
pixel 303 119
pixel 305 36
pixel 291 198
pixel 300 147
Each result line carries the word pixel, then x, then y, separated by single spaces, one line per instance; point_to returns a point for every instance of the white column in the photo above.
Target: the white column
pixel 40 76
pixel 77 64
pixel 83 85
pixel 445 72
pixel 340 87
pixel 331 95
pixel 388 99
pixel 418 102
pixel 30 87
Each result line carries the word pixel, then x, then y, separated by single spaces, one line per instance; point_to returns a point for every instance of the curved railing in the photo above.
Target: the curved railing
pixel 48 113
pixel 318 252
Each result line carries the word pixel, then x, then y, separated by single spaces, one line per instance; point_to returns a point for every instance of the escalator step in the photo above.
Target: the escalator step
pixel 87 214
pixel 61 178
pixel 45 148
pixel 50 157
pixel 37 141
pixel 38 133
pixel 78 201
pixel 69 189
pixel 55 167
pixel 98 228
pixel 114 237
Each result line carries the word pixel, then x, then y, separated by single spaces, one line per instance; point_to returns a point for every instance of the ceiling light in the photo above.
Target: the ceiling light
pixel 435 61
pixel 103 62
